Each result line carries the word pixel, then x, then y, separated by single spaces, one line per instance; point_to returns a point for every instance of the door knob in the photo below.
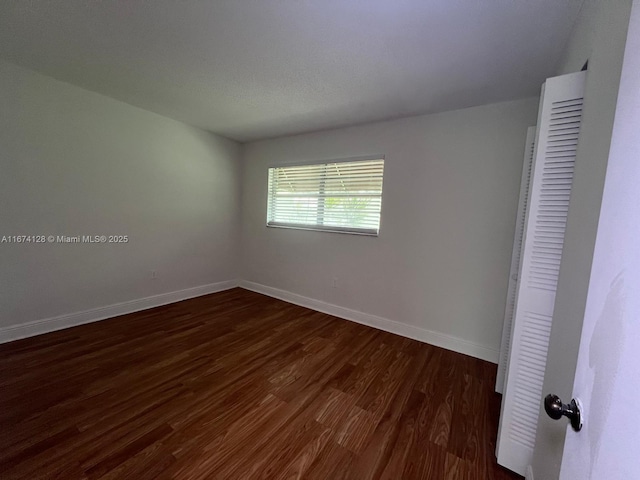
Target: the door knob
pixel 556 409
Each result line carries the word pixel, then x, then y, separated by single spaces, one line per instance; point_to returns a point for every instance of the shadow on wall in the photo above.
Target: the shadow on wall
pixel 605 351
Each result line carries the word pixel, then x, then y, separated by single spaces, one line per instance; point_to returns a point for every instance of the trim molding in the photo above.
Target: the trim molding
pixel 46 325
pixel 411 331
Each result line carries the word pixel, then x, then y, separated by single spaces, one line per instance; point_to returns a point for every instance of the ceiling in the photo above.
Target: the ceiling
pixel 253 69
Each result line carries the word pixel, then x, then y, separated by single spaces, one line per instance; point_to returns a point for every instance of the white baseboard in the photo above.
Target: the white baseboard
pixel 45 325
pixel 417 333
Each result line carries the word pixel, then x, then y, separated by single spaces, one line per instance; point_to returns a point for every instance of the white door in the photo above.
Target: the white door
pixel 607 380
pixel 559 121
pixel 516 256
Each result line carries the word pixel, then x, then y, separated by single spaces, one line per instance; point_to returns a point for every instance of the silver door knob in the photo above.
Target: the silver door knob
pixel 556 409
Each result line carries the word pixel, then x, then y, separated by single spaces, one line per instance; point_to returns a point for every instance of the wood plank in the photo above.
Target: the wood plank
pixel 239 385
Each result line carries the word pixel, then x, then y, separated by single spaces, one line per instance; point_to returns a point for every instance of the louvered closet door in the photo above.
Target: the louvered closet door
pixel 510 306
pixel 552 177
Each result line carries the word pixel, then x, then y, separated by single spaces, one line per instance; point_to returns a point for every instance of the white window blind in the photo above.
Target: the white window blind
pixel 338 196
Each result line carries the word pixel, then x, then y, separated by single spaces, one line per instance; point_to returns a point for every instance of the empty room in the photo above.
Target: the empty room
pixel 299 239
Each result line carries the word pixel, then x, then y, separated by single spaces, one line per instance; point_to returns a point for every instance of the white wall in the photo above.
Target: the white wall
pixel 441 262
pixel 74 162
pixel 598 36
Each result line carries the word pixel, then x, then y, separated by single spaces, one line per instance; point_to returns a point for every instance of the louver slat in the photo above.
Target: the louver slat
pixel 515 260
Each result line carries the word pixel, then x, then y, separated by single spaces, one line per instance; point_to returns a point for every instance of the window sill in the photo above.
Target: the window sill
pixel 362 232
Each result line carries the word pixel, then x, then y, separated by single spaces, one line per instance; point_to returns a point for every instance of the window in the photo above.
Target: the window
pixel 341 196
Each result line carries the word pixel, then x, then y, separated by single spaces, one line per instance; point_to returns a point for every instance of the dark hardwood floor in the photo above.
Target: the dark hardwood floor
pixel 239 385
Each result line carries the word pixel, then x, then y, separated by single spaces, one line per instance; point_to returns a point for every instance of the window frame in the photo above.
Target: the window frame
pixel 320 228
